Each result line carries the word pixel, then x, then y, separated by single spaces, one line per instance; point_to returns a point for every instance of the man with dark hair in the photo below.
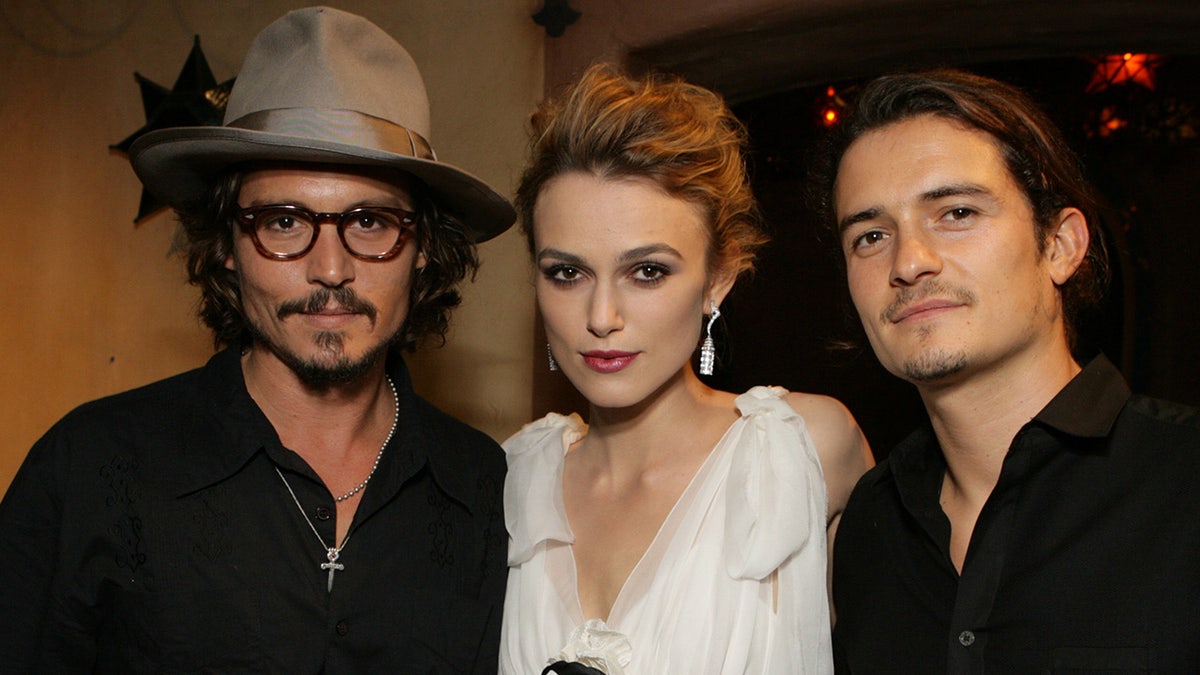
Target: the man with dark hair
pixel 293 506
pixel 1046 518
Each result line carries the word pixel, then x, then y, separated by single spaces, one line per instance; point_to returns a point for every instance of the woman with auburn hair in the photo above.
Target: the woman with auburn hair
pixel 681 529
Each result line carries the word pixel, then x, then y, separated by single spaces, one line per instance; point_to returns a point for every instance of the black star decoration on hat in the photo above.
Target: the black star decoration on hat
pixel 195 100
pixel 555 16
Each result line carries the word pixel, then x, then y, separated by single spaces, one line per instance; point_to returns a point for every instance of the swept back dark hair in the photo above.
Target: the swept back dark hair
pixel 1034 151
pixel 206 241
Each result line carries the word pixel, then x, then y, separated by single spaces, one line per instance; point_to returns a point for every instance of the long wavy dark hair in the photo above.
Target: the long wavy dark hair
pixel 206 241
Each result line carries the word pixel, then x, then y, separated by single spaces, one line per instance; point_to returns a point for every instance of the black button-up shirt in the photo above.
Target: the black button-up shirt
pixel 150 532
pixel 1085 558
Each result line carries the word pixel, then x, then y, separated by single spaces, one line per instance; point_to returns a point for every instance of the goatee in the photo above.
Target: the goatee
pixel 330 366
pixel 933 366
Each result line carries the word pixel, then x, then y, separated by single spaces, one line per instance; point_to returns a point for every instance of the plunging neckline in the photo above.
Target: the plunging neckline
pixel 702 596
pixel 658 541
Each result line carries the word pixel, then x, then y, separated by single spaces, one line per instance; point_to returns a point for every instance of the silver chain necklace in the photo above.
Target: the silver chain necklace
pixel 332 553
pixel 395 418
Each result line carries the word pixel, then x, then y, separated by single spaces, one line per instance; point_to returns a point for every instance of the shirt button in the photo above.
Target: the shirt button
pixel 342 628
pixel 322 513
pixel 966 638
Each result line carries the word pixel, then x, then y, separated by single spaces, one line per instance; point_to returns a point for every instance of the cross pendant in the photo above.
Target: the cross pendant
pixel 333 566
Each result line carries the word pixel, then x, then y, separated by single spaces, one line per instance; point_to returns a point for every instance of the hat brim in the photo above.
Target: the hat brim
pixel 178 165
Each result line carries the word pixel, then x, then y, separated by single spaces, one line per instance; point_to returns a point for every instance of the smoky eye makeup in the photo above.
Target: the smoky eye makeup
pixel 649 272
pixel 560 273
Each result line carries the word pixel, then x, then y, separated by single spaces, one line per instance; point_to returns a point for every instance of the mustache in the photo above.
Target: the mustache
pixel 914 294
pixel 316 301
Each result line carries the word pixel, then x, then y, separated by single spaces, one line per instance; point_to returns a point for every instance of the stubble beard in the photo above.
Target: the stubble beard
pixel 330 365
pixel 931 364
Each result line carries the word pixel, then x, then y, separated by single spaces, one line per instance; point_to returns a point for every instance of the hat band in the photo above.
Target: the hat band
pixel 346 127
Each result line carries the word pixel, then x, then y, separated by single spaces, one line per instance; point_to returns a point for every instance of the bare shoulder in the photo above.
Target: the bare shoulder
pixel 825 417
pixel 841 446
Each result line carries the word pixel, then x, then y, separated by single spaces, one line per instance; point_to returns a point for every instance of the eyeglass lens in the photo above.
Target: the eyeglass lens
pixel 291 230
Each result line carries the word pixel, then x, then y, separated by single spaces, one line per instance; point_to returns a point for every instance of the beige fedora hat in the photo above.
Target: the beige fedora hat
pixel 320 85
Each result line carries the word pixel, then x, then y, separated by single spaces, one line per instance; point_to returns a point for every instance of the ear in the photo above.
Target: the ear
pixel 719 286
pixel 421 261
pixel 230 263
pixel 1067 246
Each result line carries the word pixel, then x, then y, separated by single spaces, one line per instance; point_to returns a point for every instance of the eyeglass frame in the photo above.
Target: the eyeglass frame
pixel 244 215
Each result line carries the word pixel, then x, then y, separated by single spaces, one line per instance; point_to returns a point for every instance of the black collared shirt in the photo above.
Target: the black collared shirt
pixel 1085 558
pixel 150 532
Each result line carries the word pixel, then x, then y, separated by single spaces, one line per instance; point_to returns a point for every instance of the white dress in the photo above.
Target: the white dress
pixel 734 581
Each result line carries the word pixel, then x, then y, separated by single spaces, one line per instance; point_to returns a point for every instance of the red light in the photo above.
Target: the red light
pixel 831 107
pixel 1127 68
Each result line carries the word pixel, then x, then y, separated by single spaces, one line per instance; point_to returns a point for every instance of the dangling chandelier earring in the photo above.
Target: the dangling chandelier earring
pixel 550 358
pixel 708 351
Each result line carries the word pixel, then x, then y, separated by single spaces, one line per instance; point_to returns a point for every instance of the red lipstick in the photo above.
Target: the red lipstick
pixel 608 361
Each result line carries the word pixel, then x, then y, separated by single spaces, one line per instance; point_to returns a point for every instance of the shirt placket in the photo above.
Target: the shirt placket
pixel 984 564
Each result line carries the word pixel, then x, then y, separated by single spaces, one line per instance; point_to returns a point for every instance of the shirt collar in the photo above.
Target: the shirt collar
pixel 1090 403
pixel 426 436
pixel 227 428
pixel 1087 407
pixel 916 465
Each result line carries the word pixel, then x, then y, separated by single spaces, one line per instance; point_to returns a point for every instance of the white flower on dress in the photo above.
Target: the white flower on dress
pixel 595 645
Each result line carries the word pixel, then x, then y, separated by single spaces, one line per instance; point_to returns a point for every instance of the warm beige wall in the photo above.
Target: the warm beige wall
pixel 91 304
pixel 608 29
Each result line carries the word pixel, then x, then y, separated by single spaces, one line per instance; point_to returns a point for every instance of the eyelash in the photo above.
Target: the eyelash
pixel 859 241
pixel 552 273
pixel 961 212
pixel 956 214
pixel 660 273
pixel 645 274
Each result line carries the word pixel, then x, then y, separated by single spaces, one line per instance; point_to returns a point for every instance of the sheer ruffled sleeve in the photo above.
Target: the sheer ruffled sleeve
pixel 776 492
pixel 533 501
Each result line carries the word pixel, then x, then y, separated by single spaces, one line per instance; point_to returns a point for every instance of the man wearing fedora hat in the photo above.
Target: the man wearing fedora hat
pixel 292 506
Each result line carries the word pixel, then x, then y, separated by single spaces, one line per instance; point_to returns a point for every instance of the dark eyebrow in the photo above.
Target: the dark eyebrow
pixel 563 256
pixel 387 202
pixel 866 214
pixel 632 255
pixel 953 190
